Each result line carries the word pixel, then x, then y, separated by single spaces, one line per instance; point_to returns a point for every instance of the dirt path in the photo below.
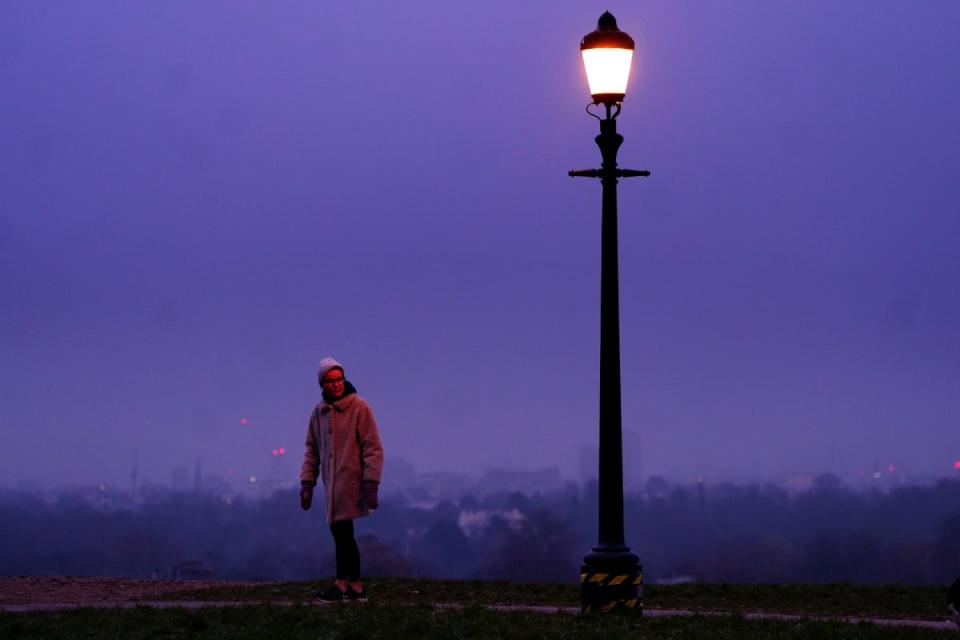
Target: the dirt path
pixel 91 591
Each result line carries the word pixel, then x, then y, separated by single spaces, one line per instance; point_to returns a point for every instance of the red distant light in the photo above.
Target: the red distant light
pixel 956 465
pixel 275 452
pixel 282 450
pixel 891 468
pixel 243 421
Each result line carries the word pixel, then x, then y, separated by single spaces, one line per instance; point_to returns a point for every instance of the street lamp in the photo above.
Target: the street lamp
pixel 610 577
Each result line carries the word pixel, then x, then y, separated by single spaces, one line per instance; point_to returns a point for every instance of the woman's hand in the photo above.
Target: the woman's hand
pixel 306 497
pixel 370 489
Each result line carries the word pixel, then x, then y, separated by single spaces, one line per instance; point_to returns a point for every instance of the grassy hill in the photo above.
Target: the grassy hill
pixel 890 601
pixel 405 608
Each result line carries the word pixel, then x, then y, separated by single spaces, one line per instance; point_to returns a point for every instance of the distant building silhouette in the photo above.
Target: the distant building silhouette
pixel 135 473
pixel 529 482
pixel 178 479
pixel 632 459
pixel 198 476
pixel 589 463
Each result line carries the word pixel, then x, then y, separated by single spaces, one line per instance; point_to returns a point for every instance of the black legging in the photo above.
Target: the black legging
pixel 348 555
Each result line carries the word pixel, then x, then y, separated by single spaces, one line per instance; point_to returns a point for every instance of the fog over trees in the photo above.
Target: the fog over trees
pixel 715 533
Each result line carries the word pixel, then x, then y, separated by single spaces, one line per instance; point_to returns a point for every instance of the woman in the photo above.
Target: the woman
pixel 344 445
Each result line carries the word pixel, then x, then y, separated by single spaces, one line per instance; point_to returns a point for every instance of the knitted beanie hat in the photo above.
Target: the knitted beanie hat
pixel 326 365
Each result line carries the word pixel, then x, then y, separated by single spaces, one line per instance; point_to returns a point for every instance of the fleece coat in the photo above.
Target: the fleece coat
pixel 343 444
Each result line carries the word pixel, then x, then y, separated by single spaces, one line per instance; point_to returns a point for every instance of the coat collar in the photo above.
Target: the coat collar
pixel 340 405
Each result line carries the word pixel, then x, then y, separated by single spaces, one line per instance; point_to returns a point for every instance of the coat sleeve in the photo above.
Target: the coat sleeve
pixel 311 454
pixel 371 451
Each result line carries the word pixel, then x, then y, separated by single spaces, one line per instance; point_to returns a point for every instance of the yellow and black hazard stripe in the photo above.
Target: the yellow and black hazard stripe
pixel 605 592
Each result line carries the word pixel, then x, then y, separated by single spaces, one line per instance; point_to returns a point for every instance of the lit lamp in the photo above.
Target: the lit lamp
pixel 607 54
pixel 610 577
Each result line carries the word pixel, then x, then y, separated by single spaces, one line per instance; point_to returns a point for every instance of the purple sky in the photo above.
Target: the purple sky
pixel 198 201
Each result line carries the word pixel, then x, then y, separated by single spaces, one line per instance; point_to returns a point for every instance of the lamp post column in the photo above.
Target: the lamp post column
pixel 610 577
pixel 610 471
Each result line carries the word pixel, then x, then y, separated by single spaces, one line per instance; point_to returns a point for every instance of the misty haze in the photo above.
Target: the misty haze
pixel 199 201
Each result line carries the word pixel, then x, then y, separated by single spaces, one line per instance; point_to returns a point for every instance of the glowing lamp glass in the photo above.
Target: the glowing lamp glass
pixel 607 70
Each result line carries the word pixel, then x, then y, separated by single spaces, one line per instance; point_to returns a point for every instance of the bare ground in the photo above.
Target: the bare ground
pixel 30 593
pixel 91 591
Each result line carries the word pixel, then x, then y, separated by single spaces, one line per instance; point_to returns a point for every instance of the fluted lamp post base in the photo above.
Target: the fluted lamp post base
pixel 611 580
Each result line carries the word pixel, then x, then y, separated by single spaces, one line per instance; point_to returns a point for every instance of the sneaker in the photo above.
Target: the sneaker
pixel 356 596
pixel 331 594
